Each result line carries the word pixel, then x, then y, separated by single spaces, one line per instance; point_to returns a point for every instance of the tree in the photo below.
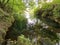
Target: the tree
pixel 8 9
pixel 18 26
pixel 49 15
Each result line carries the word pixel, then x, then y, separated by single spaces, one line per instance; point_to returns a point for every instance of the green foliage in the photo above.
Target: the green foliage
pixel 8 9
pixel 56 11
pixel 18 6
pixel 56 1
pixel 50 34
pixel 31 4
pixel 22 40
pixel 12 18
pixel 48 14
pixel 20 22
pixel 45 32
pixel 18 26
pixel 12 6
